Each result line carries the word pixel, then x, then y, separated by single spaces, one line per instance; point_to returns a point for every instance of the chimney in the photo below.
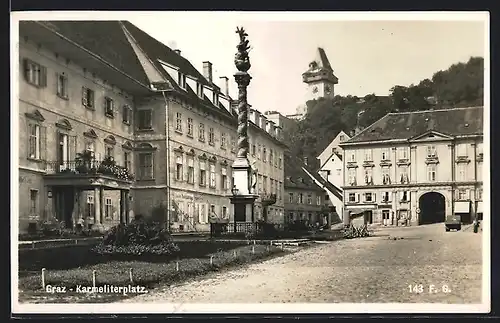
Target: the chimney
pixel 305 161
pixel 224 85
pixel 178 51
pixel 207 71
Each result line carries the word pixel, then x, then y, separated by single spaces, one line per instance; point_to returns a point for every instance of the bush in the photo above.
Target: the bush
pixel 350 231
pixel 137 238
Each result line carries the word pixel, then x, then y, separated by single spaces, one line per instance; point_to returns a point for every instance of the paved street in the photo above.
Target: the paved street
pixel 375 269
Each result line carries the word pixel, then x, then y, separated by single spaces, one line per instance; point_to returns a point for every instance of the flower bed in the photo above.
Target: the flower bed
pixel 145 274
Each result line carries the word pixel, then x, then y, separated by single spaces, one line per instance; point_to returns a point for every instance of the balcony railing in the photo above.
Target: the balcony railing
pixel 268 199
pixel 89 167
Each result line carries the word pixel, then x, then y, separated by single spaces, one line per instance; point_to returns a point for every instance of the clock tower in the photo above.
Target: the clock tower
pixel 319 77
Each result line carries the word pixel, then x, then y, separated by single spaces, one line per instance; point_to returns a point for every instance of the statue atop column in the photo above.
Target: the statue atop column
pixel 241 60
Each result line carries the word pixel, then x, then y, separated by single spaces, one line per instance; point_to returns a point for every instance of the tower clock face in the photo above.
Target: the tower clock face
pixel 315 89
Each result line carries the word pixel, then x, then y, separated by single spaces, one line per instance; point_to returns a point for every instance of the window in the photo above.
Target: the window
pixel 479 194
pixel 402 153
pixel 190 127
pixel 145 119
pixel 272 186
pixel 368 197
pixel 203 173
pixel 368 175
pixel 261 183
pixel 368 155
pixel 462 172
pixel 223 140
pixel 264 154
pixel 212 210
pixel 87 98
pixel 224 212
pixel 309 199
pixel 211 136
pixel 280 162
pixel 110 151
pixel 233 144
pixel 178 122
pixel 318 200
pixel 327 198
pixel 386 178
pixel 431 151
pixel 215 98
pixel 146 166
pixel 403 171
pixel 290 197
pixel 62 86
pixel 385 154
pixel 190 170
pixel 199 89
pixel 181 79
pixel 253 150
pixel 90 206
pixel 108 107
pixel 201 132
pixel 126 114
pixel 259 152
pixel 386 196
pixel 90 146
pixel 224 177
pixel 341 138
pixel 404 196
pixel 431 172
pixel 34 141
pixel 264 185
pixel 127 162
pixel 479 170
pixel 462 195
pixel 178 168
pixel 301 198
pixel 462 150
pixel 352 176
pixel 33 202
pixel 35 74
pixel 352 197
pixel 202 214
pixel 352 156
pixel 271 157
pixel 279 190
pixel 108 210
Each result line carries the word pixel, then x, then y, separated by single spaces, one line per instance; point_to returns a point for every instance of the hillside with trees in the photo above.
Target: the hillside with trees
pixel 460 85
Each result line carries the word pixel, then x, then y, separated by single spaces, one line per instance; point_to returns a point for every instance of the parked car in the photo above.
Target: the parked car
pixel 453 222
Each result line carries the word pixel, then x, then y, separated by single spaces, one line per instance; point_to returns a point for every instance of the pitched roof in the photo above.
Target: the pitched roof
pixel 105 39
pixel 296 177
pixel 326 184
pixel 406 125
pixel 322 59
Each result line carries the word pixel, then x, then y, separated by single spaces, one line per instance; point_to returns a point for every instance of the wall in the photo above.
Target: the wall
pixel 296 208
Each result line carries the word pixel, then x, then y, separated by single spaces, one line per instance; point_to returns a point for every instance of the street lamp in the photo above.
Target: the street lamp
pixel 163 87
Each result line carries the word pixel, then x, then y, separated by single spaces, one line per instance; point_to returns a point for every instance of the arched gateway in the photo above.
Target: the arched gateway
pixel 432 208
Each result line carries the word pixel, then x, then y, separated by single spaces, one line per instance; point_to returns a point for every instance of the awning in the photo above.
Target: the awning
pixel 479 207
pixel 462 207
pixel 359 211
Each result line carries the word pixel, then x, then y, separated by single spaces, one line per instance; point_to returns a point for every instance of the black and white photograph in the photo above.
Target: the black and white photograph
pixel 250 162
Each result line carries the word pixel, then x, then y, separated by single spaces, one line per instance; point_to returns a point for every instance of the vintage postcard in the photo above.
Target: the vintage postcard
pixel 250 162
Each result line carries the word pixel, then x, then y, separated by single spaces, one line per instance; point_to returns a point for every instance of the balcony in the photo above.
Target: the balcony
pixel 85 168
pixel 432 159
pixel 267 199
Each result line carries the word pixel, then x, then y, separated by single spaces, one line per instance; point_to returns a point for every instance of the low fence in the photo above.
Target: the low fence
pixel 244 228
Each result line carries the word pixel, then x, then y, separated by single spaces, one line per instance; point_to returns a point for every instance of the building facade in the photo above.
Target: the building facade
pixel 99 143
pixel 416 168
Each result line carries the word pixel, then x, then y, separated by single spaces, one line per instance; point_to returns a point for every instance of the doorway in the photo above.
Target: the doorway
pixel 432 208
pixel 368 217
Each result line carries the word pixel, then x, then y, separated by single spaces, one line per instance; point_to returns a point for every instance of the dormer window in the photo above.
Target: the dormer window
pixel 199 89
pixel 215 98
pixel 182 80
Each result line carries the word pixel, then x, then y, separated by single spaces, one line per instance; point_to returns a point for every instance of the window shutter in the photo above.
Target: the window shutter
pixel 43 143
pixel 72 148
pixel 29 127
pixel 389 195
pixel 408 195
pixel 25 69
pixel 43 76
pixel 374 196
pixel 401 195
pixel 84 96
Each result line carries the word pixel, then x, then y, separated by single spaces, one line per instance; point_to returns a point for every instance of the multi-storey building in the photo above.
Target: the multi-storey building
pixel 304 199
pixel 99 142
pixel 416 167
pixel 267 156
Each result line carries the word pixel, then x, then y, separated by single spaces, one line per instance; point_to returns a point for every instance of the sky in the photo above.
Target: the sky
pixel 368 56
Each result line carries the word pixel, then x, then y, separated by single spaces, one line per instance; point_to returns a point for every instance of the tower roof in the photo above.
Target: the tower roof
pixel 320 69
